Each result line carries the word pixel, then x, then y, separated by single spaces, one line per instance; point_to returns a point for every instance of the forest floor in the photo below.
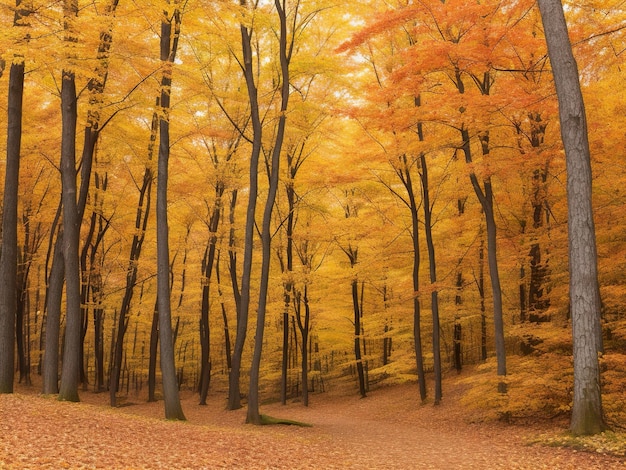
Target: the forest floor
pixel 386 430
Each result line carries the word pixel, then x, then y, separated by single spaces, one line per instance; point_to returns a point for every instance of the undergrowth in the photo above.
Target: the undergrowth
pixel 540 388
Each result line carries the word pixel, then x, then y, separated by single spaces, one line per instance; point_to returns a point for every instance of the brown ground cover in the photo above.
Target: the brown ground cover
pixel 386 430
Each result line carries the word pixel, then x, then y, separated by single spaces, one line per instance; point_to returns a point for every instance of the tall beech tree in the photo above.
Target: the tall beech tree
pixel 9 254
pixel 170 33
pixel 234 386
pixel 587 416
pixel 70 373
pixel 286 43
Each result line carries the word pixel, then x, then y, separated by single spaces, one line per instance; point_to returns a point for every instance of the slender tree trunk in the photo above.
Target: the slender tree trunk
pixel 434 296
pixel 404 173
pixel 53 319
pixel 141 225
pixel 208 263
pixel 169 42
pixel 486 201
pixel 227 346
pixel 253 415
pixel 587 416
pixel 481 292
pixel 288 271
pixel 152 360
pixel 8 258
pixel 357 338
pixel 234 387
pixel 304 327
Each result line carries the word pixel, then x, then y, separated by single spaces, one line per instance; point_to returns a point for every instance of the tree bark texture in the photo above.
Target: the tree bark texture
pixel 8 258
pixel 234 387
pixel 587 417
pixel 173 409
pixel 266 235
pixel 70 372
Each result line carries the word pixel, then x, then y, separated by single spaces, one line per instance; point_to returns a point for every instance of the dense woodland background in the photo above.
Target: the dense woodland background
pixel 401 117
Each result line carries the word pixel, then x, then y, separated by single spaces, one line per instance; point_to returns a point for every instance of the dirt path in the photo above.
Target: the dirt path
pixel 384 431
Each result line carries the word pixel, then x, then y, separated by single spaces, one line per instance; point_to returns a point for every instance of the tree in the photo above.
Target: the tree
pixel 286 47
pixel 70 373
pixel 141 225
pixel 8 255
pixel 170 33
pixel 587 417
pixel 234 388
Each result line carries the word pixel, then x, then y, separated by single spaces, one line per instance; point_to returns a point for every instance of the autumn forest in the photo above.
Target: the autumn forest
pixel 269 200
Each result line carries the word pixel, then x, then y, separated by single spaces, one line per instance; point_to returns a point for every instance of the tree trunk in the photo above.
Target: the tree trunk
pixel 304 322
pixel 70 373
pixel 404 173
pixel 481 293
pixel 234 388
pixel 207 265
pixel 152 360
pixel 266 235
pixel 8 258
pixel 587 416
pixel 227 346
pixel 53 319
pixel 357 338
pixel 485 198
pixel 141 225
pixel 434 296
pixel 169 42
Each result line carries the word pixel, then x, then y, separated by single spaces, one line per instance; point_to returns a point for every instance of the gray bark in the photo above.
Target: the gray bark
pixel 234 388
pixel 173 409
pixel 8 259
pixel 587 417
pixel 70 372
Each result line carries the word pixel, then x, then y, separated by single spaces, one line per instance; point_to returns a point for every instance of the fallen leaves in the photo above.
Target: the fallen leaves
pixel 387 430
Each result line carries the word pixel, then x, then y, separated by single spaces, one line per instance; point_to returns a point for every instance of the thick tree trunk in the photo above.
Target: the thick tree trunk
pixel 173 409
pixel 70 372
pixel 8 258
pixel 587 416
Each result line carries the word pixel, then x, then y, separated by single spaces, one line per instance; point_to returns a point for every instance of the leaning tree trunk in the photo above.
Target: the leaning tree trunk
pixel 587 415
pixel 485 198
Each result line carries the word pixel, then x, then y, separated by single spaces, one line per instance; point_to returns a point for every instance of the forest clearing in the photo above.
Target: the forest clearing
pixel 386 430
